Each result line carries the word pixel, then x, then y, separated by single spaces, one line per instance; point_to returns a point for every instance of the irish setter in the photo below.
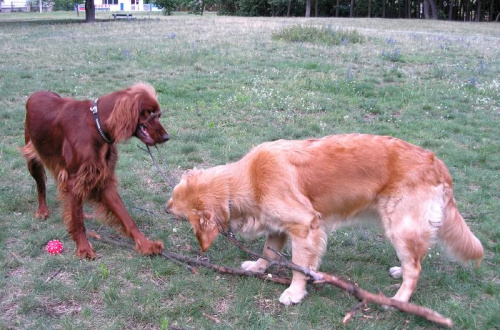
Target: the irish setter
pixel 76 141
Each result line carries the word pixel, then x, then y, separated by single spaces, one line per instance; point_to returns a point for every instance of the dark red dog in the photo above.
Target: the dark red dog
pixel 76 141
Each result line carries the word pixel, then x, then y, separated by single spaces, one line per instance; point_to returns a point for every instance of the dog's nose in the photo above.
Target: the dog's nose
pixel 165 137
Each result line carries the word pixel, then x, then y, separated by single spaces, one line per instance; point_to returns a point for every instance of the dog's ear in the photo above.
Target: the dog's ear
pixel 122 122
pixel 205 228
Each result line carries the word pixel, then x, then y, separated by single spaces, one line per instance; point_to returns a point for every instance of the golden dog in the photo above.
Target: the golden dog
pixel 303 189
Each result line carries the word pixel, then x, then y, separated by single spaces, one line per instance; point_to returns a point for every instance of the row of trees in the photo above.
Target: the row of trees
pixel 461 10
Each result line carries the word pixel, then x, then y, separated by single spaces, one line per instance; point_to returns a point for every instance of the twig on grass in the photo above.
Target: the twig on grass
pixel 353 311
pixel 213 318
pixel 52 276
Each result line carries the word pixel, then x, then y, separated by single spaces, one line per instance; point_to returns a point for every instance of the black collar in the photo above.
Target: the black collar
pixel 106 138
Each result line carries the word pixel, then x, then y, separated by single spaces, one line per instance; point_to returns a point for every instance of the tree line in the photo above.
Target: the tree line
pixel 458 10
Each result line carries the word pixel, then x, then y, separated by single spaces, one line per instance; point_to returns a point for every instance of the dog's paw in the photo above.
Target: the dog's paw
pixel 148 247
pixel 253 266
pixel 396 272
pixel 42 213
pixel 289 297
pixel 85 251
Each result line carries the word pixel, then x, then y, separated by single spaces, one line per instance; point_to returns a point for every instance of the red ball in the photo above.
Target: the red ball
pixel 54 247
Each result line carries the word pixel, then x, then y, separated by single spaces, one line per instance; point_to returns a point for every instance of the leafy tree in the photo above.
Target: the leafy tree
pixel 64 4
pixel 168 6
pixel 462 10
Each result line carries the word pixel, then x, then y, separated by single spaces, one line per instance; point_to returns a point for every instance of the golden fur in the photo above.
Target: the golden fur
pixel 303 189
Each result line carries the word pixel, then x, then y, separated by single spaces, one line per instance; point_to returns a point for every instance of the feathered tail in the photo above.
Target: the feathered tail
pixel 454 232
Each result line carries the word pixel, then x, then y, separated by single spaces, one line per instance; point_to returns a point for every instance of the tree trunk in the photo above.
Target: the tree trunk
pixel 369 8
pixel 433 9
pixel 337 9
pixel 383 8
pixel 408 6
pixel 202 6
pixel 491 11
pixel 308 8
pixel 351 13
pixel 450 10
pixel 426 9
pixel 478 13
pixel 467 11
pixel 316 8
pixel 289 10
pixel 89 11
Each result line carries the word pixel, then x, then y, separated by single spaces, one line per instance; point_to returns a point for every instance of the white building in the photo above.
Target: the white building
pixel 8 6
pixel 100 5
pixel 120 5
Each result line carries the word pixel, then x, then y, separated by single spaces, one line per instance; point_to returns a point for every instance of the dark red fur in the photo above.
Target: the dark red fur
pixel 61 135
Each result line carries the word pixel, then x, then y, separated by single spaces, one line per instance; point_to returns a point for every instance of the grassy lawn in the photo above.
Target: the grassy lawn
pixel 226 84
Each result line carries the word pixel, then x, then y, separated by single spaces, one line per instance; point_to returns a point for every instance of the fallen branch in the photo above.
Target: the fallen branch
pixel 189 262
pixel 363 295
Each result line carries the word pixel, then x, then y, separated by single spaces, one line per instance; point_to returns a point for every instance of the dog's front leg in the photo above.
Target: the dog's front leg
pixel 112 202
pixel 274 242
pixel 306 252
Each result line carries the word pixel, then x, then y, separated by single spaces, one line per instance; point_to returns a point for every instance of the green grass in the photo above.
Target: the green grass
pixel 225 84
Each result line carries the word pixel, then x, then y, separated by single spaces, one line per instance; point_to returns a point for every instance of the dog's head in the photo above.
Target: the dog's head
pixel 201 198
pixel 137 112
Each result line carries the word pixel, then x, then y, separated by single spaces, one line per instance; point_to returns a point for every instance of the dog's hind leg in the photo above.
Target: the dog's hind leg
pixel 37 171
pixel 409 231
pixel 274 242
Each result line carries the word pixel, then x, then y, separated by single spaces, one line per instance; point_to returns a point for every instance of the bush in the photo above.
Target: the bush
pixel 168 6
pixel 328 36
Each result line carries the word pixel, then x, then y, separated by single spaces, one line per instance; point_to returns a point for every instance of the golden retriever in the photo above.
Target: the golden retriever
pixel 303 189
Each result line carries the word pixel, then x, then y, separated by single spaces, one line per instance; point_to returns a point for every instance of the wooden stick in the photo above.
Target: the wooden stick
pixel 189 262
pixel 169 181
pixel 363 295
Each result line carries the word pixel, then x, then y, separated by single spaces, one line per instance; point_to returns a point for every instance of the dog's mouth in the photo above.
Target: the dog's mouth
pixel 142 133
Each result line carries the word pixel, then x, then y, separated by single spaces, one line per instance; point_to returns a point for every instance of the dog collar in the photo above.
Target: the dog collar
pixel 105 137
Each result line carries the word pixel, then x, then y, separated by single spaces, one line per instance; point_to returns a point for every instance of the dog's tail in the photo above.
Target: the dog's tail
pixel 454 233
